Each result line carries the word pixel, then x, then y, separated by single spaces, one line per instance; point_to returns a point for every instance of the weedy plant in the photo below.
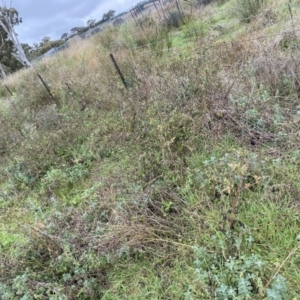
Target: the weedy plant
pixel 248 9
pixel 183 184
pixel 236 276
pixel 175 19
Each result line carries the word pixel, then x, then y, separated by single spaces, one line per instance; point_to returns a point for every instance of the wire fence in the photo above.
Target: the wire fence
pixel 286 25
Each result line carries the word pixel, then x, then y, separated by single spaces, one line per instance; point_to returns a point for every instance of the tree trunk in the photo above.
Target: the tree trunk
pixel 20 55
pixel 2 72
pixel 9 29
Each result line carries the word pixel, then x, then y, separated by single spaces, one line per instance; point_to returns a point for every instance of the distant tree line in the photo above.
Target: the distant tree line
pixel 15 55
pixel 90 24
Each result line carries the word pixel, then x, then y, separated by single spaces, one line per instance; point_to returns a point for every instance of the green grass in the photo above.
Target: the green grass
pixel 184 186
pixel 139 280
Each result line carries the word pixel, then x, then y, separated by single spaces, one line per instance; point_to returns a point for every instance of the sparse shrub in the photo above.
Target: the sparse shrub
pixel 248 9
pixel 128 38
pixel 175 19
pixel 168 146
pixel 159 42
pixel 146 21
pixel 268 17
pixel 229 175
pixel 278 289
pixel 279 76
pixel 235 277
pixel 204 2
pixel 23 174
pixel 108 38
pixel 65 177
pixel 3 93
pixel 207 2
pixel 118 22
pixel 289 41
pixel 195 28
pixel 117 177
pixel 72 265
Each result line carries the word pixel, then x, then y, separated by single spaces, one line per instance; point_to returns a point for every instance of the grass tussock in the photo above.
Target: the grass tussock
pixel 183 184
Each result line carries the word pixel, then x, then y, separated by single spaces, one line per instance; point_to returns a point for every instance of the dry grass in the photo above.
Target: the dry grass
pixel 114 174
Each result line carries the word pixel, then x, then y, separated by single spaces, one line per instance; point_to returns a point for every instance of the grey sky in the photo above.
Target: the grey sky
pixel 52 18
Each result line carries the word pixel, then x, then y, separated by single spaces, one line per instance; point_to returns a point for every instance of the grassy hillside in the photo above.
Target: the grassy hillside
pixel 184 185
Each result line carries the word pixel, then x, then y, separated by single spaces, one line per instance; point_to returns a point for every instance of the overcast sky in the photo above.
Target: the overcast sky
pixel 52 18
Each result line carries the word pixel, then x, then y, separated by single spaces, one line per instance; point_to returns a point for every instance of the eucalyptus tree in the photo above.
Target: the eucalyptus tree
pixel 9 18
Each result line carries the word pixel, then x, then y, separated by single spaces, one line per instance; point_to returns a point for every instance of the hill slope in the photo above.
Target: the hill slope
pixel 183 184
